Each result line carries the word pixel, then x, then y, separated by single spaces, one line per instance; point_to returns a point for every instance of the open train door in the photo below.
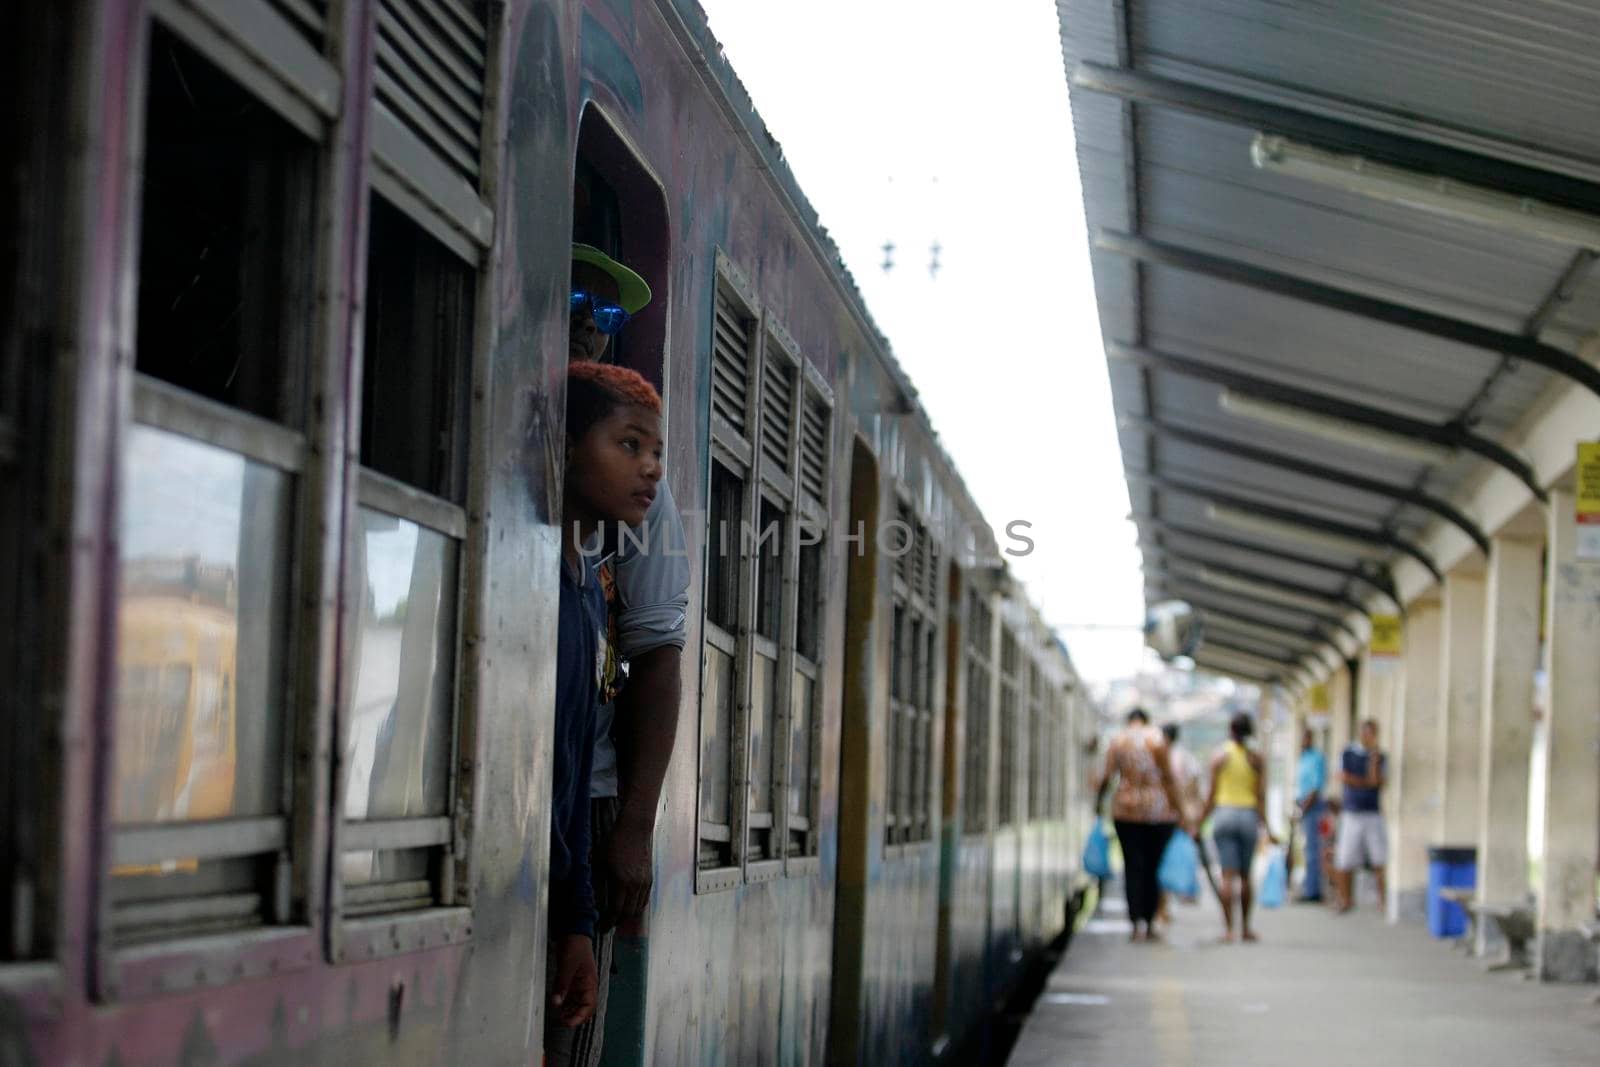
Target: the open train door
pixel 855 763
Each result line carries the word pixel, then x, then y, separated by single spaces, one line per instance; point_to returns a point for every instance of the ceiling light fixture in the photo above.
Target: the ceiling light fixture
pixel 1333 428
pixel 1426 192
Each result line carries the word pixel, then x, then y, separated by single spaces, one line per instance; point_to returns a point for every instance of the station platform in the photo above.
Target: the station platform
pixel 1318 989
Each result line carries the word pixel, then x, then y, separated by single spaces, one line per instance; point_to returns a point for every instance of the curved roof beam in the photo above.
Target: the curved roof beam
pixel 1224 577
pixel 1203 597
pixel 1311 523
pixel 1337 476
pixel 1449 434
pixel 1295 287
pixel 1378 579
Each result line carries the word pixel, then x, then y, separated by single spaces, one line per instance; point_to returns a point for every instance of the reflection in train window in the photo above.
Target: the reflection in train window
pixel 398 723
pixel 210 478
pixel 201 655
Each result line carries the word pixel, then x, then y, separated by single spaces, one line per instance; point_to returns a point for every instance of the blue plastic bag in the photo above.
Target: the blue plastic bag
pixel 1179 873
pixel 1097 852
pixel 1274 881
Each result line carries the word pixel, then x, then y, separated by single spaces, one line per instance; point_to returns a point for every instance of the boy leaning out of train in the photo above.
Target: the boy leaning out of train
pixel 613 465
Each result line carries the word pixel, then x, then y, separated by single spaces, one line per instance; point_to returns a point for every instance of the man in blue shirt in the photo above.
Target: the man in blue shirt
pixel 1363 839
pixel 1311 778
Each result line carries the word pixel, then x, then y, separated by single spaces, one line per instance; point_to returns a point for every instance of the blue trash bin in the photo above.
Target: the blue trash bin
pixel 1449 868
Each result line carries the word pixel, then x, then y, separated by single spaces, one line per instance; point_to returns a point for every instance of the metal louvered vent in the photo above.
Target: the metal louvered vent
pixel 930 586
pixel 431 61
pixel 904 542
pixel 777 408
pixel 308 17
pixel 814 449
pixel 730 364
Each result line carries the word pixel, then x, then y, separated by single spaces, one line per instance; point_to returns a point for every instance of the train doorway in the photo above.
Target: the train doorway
pixel 855 760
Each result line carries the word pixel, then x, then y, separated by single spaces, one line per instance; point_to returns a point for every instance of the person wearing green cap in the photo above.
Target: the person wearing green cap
pixel 648 588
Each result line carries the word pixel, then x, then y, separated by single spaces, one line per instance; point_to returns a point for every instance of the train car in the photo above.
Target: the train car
pixel 286 305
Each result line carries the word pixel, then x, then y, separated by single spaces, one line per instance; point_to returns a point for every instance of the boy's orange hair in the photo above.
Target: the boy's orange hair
pixel 595 390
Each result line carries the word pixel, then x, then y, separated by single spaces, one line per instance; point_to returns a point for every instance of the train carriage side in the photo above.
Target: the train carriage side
pixel 409 174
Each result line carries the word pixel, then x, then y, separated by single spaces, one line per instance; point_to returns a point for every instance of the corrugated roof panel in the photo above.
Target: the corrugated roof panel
pixel 1523 71
pixel 1239 559
pixel 1198 181
pixel 1089 30
pixel 1196 464
pixel 1314 347
pixel 1196 405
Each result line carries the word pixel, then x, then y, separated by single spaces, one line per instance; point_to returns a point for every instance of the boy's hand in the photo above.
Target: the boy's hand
pixel 577 984
pixel 629 873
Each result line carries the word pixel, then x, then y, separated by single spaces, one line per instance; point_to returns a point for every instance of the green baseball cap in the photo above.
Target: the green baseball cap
pixel 633 292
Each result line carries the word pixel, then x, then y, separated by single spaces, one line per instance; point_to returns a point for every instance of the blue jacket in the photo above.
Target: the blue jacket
pixel 579 659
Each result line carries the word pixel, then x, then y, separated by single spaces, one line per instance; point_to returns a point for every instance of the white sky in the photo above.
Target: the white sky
pixel 916 122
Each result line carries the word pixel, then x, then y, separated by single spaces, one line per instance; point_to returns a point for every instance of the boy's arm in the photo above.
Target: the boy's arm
pixel 653 588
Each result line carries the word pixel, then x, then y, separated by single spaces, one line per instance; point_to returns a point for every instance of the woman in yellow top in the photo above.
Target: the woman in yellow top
pixel 1237 807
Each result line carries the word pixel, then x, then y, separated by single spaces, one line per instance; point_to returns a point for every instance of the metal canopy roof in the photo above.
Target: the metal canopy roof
pixel 1237 301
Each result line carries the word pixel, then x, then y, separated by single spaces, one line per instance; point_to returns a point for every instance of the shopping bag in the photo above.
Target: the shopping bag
pixel 1274 881
pixel 1179 873
pixel 1097 852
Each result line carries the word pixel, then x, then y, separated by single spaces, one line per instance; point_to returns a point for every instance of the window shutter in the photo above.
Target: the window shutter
pixel 814 449
pixel 777 407
pixel 431 62
pixel 308 17
pixel 730 373
pixel 905 562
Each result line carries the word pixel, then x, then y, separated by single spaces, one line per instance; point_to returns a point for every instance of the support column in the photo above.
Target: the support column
pixel 1510 650
pixel 1572 779
pixel 1381 683
pixel 1414 766
pixel 1461 676
pixel 1340 696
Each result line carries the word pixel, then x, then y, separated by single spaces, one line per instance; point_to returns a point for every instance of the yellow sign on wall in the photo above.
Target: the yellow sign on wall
pixel 1386 640
pixel 1319 697
pixel 1588 509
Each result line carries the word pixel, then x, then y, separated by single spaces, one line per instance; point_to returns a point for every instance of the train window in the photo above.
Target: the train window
pixel 979 628
pixel 1038 746
pixel 415 358
pixel 227 225
pixel 211 476
pixel 399 699
pixel 1007 813
pixel 909 818
pixel 770 420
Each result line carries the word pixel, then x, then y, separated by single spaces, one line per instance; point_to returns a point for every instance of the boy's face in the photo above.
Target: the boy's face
pixel 613 469
pixel 1369 736
pixel 584 339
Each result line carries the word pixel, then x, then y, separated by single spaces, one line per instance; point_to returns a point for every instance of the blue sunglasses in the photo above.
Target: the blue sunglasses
pixel 608 317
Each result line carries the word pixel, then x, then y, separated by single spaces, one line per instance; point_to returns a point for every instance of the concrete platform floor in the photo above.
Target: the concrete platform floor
pixel 1317 990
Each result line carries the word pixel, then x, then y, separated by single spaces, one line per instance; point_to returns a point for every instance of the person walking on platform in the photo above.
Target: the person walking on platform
pixel 1237 807
pixel 1145 809
pixel 1363 840
pixel 1311 778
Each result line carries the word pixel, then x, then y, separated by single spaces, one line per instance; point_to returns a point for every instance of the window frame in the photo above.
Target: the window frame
pixel 310 88
pixel 746 457
pixel 909 821
pixel 414 181
pixel 978 758
pixel 251 44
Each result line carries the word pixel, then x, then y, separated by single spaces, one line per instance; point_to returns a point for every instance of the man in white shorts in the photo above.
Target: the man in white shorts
pixel 1363 840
